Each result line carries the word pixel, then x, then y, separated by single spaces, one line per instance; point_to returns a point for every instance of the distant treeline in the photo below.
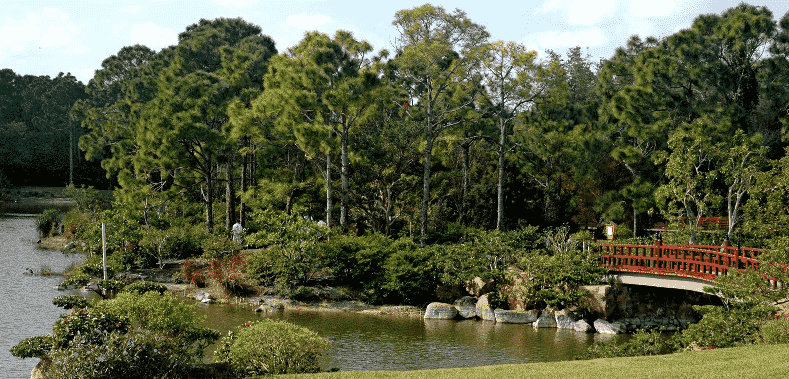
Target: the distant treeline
pixel 36 132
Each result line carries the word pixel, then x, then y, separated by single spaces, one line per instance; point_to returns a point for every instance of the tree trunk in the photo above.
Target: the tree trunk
pixel 466 159
pixel 230 195
pixel 344 181
pixel 426 187
pixel 500 180
pixel 242 214
pixel 329 204
pixel 209 199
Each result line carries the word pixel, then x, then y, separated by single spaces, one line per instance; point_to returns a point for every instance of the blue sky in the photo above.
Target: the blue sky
pixel 47 37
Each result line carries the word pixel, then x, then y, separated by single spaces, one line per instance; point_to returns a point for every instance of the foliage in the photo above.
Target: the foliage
pixel 154 311
pixel 219 246
pixel 70 301
pixel 409 275
pixel 33 347
pixel 143 287
pixel 87 198
pixel 555 279
pixel 640 343
pixel 268 347
pixel 776 331
pixel 135 355
pixel 48 222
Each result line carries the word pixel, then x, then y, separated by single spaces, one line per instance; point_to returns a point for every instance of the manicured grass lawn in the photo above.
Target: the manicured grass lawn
pixel 759 361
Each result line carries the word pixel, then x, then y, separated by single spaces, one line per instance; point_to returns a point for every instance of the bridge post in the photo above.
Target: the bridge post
pixel 657 254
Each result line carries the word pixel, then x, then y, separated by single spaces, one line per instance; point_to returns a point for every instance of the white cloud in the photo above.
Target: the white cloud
pixel 152 36
pixel 651 8
pixel 131 9
pixel 43 30
pixel 306 22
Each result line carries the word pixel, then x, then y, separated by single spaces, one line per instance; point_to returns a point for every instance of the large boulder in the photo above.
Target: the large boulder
pixel 605 327
pixel 516 317
pixel 441 311
pixel 583 326
pixel 466 306
pixel 546 320
pixel 565 319
pixel 478 286
pixel 484 310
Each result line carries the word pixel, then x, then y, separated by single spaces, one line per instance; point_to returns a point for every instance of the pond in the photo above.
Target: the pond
pixel 374 342
pixel 358 341
pixel 27 298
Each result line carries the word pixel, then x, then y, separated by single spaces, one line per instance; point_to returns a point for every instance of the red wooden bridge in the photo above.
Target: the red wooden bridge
pixel 677 266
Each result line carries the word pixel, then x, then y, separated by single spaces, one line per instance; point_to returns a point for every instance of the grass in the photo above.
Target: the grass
pixel 755 361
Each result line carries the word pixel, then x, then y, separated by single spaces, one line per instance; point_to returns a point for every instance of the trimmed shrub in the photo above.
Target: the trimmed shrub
pixel 776 331
pixel 33 347
pixel 144 287
pixel 640 343
pixel 271 347
pixel 136 355
pixel 70 301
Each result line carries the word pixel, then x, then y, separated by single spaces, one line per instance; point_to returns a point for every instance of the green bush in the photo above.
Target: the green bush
pixel 271 347
pixel 47 222
pixel 641 343
pixel 354 261
pixel 721 327
pixel 135 355
pixel 70 301
pixel 87 199
pixel 219 246
pixel 409 276
pixel 555 279
pixel 154 311
pixel 33 347
pixel 282 268
pixel 776 331
pixel 144 287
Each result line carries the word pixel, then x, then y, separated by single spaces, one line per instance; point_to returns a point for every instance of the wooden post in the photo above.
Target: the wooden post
pixel 104 249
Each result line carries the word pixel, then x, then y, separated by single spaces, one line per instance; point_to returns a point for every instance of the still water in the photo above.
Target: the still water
pixel 373 342
pixel 358 341
pixel 26 299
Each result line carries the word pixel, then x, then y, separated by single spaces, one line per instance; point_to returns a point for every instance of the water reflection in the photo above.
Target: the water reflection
pixel 371 342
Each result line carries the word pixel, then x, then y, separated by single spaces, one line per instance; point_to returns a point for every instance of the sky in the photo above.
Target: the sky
pixel 49 37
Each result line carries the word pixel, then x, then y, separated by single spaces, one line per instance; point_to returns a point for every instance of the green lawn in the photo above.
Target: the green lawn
pixel 758 361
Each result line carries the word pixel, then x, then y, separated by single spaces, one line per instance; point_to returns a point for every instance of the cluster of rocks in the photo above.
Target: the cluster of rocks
pixel 205 297
pixel 470 307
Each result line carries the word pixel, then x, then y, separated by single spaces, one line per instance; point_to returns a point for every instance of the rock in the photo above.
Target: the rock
pixel 565 319
pixel 582 326
pixel 483 309
pixel 546 320
pixel 69 246
pixel 205 297
pixel 466 306
pixel 478 286
pixel 605 327
pixel 441 311
pixel 516 317
pixel 269 308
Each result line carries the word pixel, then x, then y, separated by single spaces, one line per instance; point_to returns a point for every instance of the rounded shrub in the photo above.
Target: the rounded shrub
pixel 776 331
pixel 271 347
pixel 144 286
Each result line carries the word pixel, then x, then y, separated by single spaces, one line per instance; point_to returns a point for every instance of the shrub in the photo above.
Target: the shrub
pixel 87 327
pixel 70 301
pixel 230 274
pixel 33 347
pixel 144 287
pixel 409 275
pixel 154 311
pixel 87 199
pixel 136 355
pixel 219 246
pixel 776 331
pixel 48 222
pixel 641 343
pixel 271 347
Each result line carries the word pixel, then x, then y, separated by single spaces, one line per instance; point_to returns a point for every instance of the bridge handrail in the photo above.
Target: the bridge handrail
pixel 695 261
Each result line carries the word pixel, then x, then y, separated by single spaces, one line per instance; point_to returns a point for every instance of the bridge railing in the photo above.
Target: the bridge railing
pixel 692 261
